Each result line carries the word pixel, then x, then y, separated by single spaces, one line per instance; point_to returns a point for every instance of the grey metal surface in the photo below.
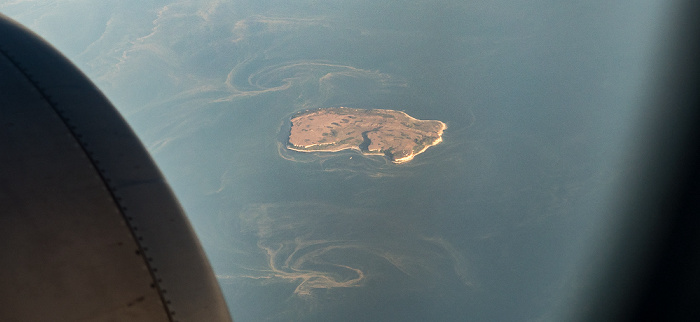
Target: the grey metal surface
pixel 89 230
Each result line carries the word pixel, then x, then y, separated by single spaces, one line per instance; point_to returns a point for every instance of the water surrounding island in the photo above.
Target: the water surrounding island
pixel 489 225
pixel 393 134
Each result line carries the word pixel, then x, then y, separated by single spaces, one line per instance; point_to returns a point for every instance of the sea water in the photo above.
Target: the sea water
pixel 489 225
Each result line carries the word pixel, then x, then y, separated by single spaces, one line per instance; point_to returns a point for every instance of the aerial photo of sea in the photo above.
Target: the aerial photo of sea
pixel 494 223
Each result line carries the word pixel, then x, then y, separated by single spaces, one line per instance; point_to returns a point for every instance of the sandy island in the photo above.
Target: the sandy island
pixel 394 134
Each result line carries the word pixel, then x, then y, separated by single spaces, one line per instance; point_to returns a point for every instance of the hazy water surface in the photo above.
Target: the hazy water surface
pixel 488 225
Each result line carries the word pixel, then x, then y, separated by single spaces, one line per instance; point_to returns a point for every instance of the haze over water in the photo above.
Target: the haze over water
pixel 489 225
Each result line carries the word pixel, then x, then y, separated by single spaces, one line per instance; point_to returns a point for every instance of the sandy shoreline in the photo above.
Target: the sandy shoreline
pixel 436 142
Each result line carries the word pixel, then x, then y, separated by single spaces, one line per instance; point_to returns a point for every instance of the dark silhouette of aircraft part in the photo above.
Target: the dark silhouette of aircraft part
pixel 89 229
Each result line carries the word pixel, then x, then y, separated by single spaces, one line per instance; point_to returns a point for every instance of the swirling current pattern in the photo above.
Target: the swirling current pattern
pixel 320 246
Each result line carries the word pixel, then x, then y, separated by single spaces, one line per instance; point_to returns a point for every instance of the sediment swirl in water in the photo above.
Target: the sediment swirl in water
pixel 320 246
